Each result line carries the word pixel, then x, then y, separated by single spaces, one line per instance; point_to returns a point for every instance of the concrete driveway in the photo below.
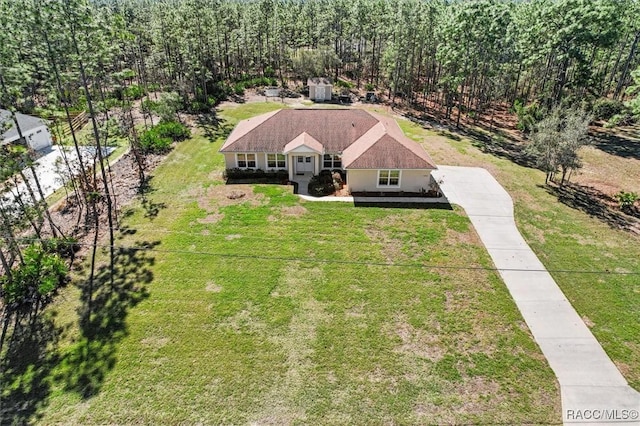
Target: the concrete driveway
pixel 48 168
pixel 592 389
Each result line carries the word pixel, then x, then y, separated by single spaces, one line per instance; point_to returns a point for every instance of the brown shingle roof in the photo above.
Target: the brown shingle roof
pixel 393 150
pixel 335 129
pixel 366 140
pixel 389 153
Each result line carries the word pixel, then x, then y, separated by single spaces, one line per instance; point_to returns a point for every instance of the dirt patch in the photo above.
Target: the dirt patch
pixel 392 248
pixel 417 342
pixel 213 287
pixel 245 320
pixel 355 312
pixel 295 211
pixel 395 250
pixel 479 395
pixel 216 175
pixel 232 237
pixel 155 342
pixel 588 321
pixel 235 195
pixel 453 301
pixel 214 197
pixel 212 218
pixel 469 237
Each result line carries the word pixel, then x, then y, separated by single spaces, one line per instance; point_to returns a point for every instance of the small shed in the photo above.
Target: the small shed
pixel 34 130
pixel 320 89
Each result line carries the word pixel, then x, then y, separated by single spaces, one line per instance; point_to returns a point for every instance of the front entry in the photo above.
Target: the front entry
pixel 304 164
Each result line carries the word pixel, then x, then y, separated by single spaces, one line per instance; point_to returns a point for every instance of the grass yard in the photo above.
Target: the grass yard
pixel 565 238
pixel 268 309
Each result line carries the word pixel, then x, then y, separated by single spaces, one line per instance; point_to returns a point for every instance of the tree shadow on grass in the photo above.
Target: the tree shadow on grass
pixel 215 128
pixel 503 147
pixel 495 141
pixel 620 146
pixel 26 371
pixel 151 209
pixel 103 313
pixel 595 203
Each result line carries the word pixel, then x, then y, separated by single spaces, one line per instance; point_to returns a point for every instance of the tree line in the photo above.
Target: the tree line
pixel 465 55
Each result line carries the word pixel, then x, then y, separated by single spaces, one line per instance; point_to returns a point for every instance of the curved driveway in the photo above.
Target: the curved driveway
pixel 593 390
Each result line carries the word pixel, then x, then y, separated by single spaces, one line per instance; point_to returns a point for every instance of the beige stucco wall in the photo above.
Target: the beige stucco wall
pixel 367 180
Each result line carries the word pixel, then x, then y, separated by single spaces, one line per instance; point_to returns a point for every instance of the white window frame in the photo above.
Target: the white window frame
pixel 388 185
pixel 333 161
pixel 266 160
pixel 246 160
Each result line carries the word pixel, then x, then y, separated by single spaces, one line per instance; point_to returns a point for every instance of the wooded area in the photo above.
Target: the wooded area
pixel 434 54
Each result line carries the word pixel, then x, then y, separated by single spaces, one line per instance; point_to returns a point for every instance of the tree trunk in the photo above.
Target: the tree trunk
pixel 85 85
pixel 623 77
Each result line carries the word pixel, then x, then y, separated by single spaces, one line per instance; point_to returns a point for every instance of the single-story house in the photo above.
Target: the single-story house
pixel 371 149
pixel 34 130
pixel 320 89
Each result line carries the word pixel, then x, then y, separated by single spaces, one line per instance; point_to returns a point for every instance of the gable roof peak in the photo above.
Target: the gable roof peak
pixel 304 139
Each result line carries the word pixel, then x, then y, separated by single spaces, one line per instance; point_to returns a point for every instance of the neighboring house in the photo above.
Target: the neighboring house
pixel 320 89
pixel 370 148
pixel 34 130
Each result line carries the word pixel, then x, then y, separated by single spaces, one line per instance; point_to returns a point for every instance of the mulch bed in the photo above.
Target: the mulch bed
pixel 428 194
pixel 125 187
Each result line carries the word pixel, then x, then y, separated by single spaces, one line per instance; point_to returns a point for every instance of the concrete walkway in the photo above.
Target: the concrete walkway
pixel 592 389
pixel 303 183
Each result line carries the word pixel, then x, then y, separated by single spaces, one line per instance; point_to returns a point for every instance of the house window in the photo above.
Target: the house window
pixel 246 161
pixel 388 177
pixel 331 161
pixel 276 161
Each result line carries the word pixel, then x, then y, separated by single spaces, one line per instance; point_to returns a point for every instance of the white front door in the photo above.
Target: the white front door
pixel 304 164
pixel 319 93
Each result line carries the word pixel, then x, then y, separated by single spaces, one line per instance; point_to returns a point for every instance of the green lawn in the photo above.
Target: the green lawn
pixel 567 239
pixel 268 309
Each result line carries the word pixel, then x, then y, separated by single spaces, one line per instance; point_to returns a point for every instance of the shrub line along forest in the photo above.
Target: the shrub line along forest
pixel 146 74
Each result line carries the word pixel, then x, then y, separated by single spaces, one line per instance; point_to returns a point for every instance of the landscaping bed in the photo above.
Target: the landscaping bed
pixel 396 194
pixel 237 175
